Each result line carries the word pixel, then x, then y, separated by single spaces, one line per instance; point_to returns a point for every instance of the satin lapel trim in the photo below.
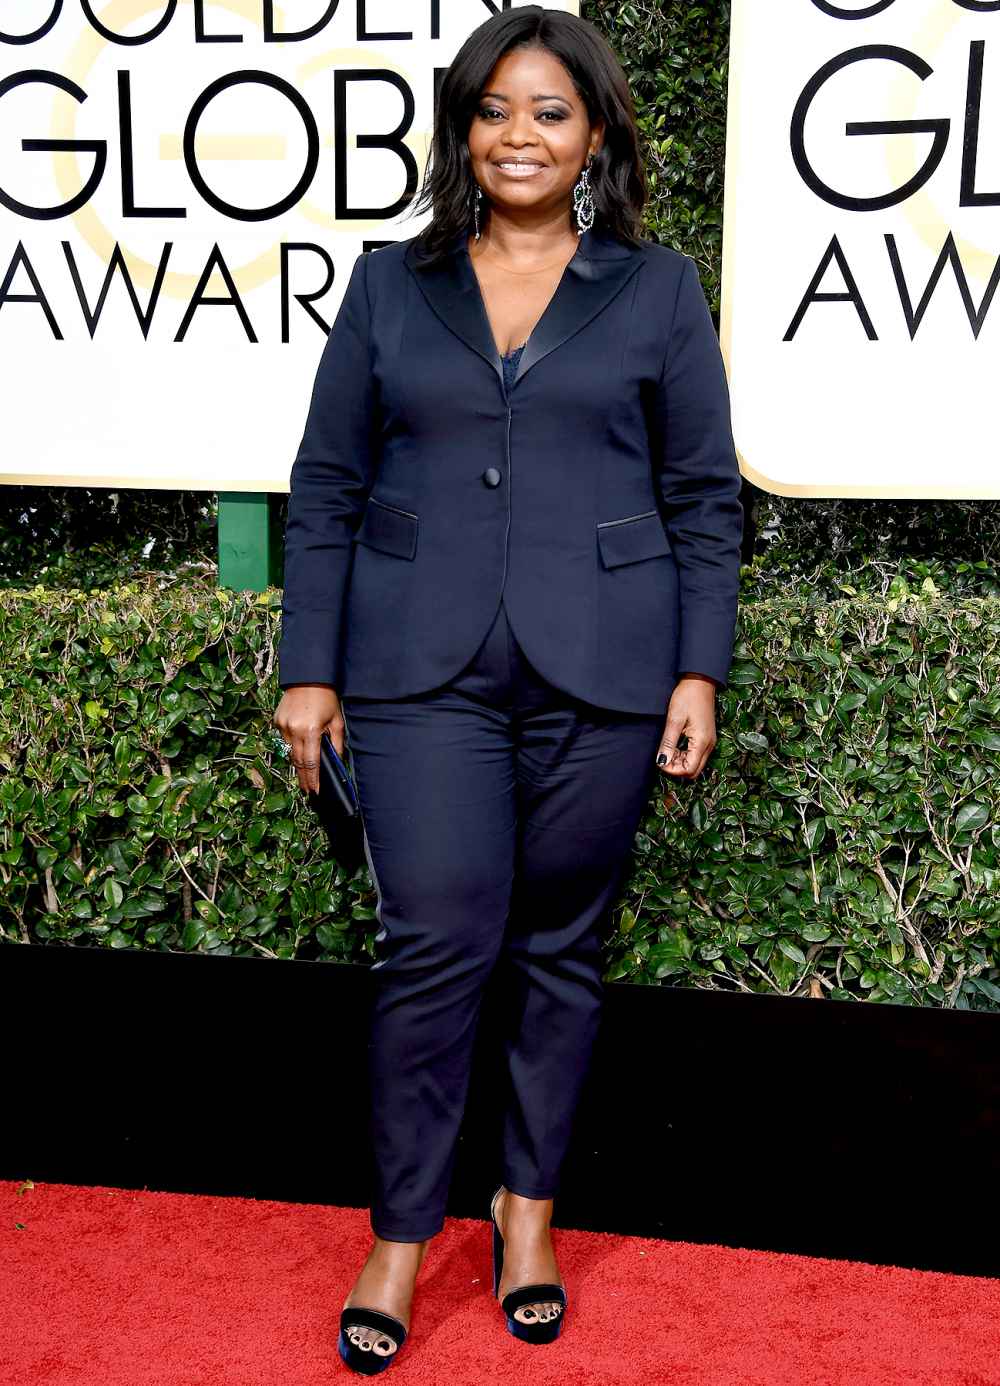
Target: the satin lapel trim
pixel 599 271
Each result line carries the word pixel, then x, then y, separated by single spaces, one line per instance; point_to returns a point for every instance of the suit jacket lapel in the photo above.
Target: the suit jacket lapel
pixel 597 272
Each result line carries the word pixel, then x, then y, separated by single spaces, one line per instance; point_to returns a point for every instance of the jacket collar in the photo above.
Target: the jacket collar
pixel 597 272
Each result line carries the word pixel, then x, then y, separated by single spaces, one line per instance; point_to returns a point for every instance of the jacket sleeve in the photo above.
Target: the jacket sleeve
pixel 333 472
pixel 699 480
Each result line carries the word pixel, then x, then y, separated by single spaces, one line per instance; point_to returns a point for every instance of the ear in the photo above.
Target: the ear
pixel 596 138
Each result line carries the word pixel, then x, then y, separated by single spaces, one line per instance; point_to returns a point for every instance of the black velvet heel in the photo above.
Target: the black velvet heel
pixel 369 1362
pixel 541 1332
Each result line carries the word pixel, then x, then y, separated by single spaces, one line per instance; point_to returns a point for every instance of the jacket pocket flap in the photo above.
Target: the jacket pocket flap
pixel 633 538
pixel 388 528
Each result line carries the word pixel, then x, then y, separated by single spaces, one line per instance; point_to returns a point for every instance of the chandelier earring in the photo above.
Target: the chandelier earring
pixel 476 200
pixel 583 199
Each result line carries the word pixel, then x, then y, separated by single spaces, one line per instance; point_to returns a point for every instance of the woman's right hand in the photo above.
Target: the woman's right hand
pixel 305 712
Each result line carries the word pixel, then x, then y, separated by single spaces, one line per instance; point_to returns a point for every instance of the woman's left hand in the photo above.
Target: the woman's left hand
pixel 691 712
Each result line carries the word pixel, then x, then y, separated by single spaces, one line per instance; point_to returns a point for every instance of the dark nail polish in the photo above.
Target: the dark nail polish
pixel 661 759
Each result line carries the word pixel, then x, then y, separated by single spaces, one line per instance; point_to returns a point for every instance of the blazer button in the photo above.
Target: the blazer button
pixel 491 476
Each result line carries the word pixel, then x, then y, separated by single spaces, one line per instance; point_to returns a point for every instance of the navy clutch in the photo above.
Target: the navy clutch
pixel 338 808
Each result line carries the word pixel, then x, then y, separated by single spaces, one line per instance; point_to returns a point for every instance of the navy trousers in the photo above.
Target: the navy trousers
pixel 499 817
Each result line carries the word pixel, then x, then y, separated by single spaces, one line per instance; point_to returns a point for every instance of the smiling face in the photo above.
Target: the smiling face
pixel 530 135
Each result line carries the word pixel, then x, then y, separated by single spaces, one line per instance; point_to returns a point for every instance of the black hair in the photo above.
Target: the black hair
pixel 617 175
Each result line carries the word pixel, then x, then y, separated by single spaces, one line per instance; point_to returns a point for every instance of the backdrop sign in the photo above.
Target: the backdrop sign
pixel 184 188
pixel 861 251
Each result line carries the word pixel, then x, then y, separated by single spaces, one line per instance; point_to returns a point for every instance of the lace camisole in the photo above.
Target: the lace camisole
pixel 510 360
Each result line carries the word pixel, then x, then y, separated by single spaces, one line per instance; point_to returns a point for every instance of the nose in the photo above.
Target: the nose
pixel 519 130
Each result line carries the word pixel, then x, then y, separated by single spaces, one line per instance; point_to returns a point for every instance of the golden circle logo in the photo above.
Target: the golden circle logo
pixel 237 146
pixel 929 222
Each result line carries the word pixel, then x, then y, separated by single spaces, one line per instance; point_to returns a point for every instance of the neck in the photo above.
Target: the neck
pixel 522 242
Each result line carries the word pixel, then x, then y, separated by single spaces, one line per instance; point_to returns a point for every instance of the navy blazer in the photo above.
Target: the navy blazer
pixel 601 499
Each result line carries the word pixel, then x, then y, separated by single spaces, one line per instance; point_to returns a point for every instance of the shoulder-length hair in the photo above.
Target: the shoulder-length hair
pixel 617 176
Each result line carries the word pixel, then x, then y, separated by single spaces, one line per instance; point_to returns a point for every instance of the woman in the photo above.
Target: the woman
pixel 511 577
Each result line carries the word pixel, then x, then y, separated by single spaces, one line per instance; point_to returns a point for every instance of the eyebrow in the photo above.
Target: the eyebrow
pixel 553 96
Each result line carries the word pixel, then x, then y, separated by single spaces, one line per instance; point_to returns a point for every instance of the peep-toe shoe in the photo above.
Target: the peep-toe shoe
pixel 544 1331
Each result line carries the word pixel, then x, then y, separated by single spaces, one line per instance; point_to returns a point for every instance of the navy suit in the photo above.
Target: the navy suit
pixel 503 585
pixel 601 500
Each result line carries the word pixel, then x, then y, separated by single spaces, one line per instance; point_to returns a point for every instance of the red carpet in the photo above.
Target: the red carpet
pixel 107 1287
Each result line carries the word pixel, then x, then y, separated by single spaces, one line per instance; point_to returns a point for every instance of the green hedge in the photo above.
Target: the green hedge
pixel 676 58
pixel 844 840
